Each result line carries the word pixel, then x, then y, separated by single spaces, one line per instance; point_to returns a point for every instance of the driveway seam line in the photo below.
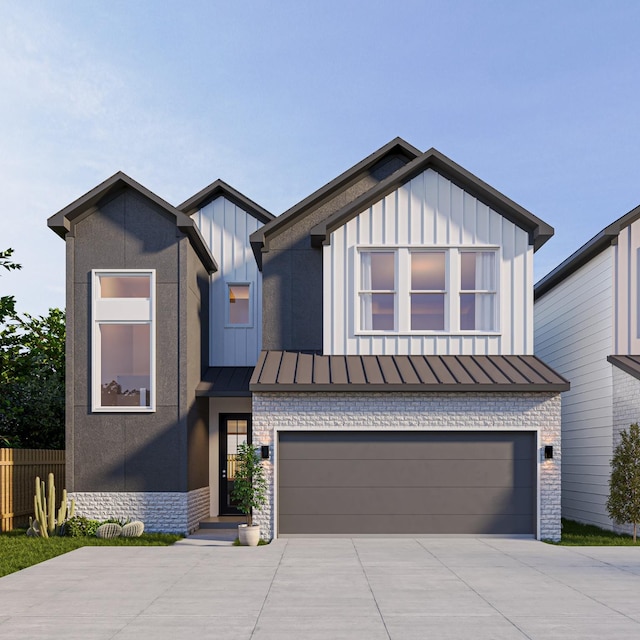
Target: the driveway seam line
pixel 275 573
pixel 373 595
pixel 502 615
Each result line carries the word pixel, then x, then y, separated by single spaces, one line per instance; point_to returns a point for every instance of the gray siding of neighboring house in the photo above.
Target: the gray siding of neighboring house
pixel 574 335
pixel 142 451
pixel 292 270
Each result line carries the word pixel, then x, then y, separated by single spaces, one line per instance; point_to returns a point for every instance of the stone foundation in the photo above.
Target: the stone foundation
pixel 168 512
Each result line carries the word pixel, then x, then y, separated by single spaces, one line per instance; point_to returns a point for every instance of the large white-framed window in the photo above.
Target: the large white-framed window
pixel 239 305
pixel 427 290
pixel 123 340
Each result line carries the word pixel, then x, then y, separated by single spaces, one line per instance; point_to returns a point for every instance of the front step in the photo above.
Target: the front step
pixel 222 522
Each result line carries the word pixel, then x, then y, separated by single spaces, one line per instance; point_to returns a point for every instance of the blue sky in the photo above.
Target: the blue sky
pixel 540 100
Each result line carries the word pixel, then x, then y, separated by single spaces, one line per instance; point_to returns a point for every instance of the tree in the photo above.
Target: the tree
pixel 32 359
pixel 623 503
pixel 250 485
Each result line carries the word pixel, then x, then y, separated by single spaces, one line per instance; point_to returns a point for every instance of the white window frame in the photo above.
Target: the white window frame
pixel 403 289
pixel 227 304
pixel 122 311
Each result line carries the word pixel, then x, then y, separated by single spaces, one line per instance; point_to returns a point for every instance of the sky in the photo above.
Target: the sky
pixel 539 99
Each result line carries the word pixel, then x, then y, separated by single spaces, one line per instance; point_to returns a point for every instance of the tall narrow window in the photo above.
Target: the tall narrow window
pixel 123 341
pixel 478 291
pixel 428 291
pixel 377 291
pixel 239 305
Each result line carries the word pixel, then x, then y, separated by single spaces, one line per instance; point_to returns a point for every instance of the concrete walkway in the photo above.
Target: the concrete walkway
pixel 369 589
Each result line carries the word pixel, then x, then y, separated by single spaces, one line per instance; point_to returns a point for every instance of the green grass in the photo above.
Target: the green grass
pixel 17 551
pixel 261 543
pixel 578 534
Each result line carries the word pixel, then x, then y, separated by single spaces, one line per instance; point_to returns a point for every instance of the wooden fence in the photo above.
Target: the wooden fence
pixel 18 470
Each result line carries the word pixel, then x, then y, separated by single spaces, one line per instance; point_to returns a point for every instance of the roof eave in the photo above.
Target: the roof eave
pixel 409 388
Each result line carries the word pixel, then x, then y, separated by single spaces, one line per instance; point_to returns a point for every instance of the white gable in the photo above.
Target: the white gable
pixel 429 212
pixel 226 229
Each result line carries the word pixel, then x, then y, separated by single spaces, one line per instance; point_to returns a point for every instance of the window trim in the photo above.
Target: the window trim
pixel 403 289
pixel 227 304
pixel 114 312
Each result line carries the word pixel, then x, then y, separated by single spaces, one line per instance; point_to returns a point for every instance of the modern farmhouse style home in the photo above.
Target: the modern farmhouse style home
pixel 376 340
pixel 587 326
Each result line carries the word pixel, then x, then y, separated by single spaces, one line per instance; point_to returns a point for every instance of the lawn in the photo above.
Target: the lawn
pixel 578 534
pixel 17 551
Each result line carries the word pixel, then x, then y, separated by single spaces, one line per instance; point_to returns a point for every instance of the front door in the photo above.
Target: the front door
pixel 235 429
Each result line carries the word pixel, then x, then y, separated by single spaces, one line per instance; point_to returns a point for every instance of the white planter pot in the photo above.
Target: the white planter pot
pixel 249 536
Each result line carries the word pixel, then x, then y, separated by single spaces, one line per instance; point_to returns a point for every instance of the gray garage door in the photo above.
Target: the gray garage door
pixel 406 483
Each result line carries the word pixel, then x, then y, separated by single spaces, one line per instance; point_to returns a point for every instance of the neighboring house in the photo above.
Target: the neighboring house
pixel 587 326
pixel 376 339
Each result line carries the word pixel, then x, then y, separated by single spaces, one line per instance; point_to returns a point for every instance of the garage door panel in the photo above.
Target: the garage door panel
pixel 406 482
pixel 411 473
pixel 391 446
pixel 407 524
pixel 397 501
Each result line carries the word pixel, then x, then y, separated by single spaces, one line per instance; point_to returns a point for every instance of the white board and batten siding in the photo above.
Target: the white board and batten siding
pixel 226 229
pixel 627 277
pixel 429 211
pixel 574 325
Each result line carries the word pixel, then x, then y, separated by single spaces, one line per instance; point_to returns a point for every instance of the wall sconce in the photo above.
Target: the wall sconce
pixel 264 451
pixel 548 452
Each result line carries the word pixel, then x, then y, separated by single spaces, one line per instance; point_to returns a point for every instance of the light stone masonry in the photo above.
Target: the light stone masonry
pixel 169 512
pixel 274 412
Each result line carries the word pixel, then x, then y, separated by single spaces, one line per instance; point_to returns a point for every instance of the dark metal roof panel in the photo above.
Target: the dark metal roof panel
pixel 275 372
pixel 225 382
pixel 628 364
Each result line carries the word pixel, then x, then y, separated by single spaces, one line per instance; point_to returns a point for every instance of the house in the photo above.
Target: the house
pixel 376 340
pixel 587 326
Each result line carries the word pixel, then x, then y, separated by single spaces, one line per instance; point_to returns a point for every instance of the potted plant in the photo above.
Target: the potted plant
pixel 249 491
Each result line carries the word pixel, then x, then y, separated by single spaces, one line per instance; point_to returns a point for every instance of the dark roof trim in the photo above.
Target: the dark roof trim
pixel 221 188
pixel 628 364
pixel 539 231
pixel 225 382
pixel 62 221
pixel 597 244
pixel 293 371
pixel 260 238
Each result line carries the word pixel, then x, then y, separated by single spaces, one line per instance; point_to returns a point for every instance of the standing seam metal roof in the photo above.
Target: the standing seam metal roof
pixel 294 371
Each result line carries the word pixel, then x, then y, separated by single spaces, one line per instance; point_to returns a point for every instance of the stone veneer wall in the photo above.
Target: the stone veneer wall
pixel 169 512
pixel 626 411
pixel 409 411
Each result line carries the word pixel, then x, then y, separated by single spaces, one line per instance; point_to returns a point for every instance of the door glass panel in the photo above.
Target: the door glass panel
pixel 236 435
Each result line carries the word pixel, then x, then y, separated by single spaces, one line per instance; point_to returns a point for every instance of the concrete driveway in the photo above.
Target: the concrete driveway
pixel 405 588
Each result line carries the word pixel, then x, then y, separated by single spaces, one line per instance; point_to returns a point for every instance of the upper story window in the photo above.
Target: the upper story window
pixel 123 351
pixel 405 290
pixel 239 305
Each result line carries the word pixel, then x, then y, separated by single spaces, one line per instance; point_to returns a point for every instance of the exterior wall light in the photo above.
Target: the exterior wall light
pixel 548 452
pixel 264 451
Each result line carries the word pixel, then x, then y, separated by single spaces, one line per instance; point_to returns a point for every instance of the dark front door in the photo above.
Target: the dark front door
pixel 235 429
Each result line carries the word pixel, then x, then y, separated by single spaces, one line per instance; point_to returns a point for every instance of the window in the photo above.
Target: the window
pixel 239 305
pixel 405 290
pixel 378 290
pixel 123 354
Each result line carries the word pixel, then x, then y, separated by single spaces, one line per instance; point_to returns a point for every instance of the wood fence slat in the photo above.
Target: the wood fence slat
pixel 18 470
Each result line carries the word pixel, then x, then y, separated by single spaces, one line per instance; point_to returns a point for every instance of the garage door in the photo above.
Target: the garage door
pixel 406 483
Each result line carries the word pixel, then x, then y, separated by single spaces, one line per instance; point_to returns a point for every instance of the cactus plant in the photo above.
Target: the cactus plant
pixel 45 523
pixel 132 529
pixel 109 530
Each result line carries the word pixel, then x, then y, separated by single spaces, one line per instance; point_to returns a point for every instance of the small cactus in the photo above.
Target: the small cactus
pixel 109 530
pixel 45 510
pixel 132 529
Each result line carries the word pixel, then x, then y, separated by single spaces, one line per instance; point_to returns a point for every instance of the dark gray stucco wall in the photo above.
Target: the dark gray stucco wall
pixel 197 349
pixel 292 269
pixel 120 451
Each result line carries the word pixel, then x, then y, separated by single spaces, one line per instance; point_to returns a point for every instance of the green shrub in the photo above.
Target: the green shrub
pixel 79 526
